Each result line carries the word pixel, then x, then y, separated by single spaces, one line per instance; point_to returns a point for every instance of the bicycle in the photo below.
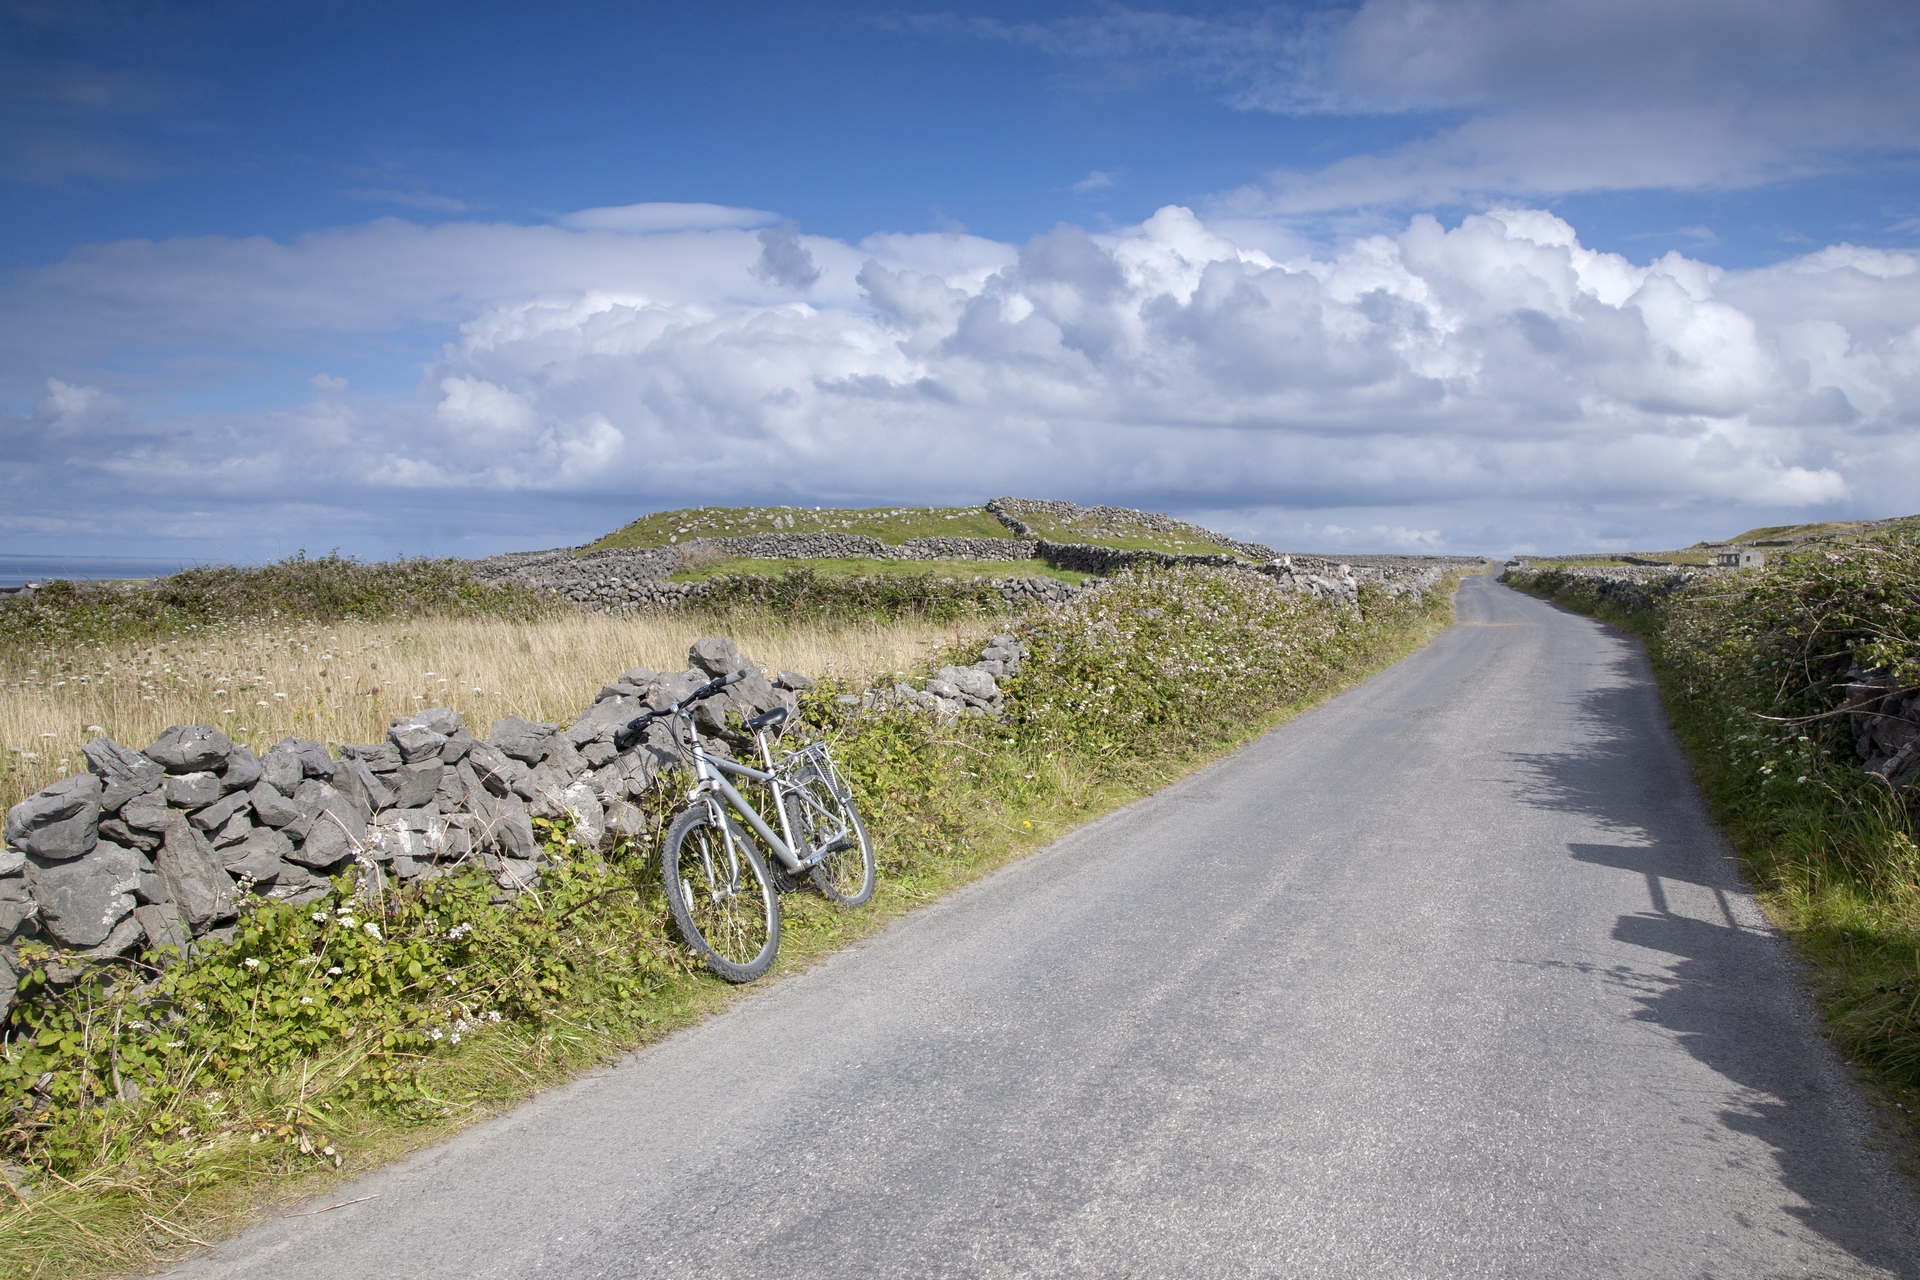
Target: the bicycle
pixel 721 889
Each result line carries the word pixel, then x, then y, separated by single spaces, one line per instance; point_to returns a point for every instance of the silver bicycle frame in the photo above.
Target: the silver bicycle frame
pixel 707 770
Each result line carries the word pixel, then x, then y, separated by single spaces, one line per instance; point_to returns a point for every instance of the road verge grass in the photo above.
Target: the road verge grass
pixel 1121 695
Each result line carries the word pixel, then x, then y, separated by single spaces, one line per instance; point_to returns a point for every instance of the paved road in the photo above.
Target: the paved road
pixel 1449 978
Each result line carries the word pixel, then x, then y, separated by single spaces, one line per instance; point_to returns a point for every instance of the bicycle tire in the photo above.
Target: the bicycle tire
pixel 822 810
pixel 720 895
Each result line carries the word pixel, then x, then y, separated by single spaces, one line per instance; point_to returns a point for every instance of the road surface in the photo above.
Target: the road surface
pixel 1450 977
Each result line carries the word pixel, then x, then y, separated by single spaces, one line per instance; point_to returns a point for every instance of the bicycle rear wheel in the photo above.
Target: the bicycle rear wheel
pixel 720 895
pixel 821 807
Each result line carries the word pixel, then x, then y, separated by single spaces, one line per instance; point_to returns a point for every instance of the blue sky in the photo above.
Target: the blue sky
pixel 326 275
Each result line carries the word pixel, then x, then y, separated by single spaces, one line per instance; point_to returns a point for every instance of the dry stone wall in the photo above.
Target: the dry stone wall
pixel 158 849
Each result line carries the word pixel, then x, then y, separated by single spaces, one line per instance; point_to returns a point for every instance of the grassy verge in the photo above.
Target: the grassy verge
pixel 316 1048
pixel 1751 669
pixel 859 567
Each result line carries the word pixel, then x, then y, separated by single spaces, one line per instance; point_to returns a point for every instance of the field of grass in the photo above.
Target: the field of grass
pixel 1127 537
pixel 891 525
pixel 857 567
pixel 344 682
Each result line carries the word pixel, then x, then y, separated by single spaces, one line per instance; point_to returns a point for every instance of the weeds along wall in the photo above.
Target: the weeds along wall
pixel 1796 689
pixel 348 952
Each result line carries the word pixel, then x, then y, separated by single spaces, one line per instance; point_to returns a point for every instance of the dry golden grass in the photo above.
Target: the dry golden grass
pixel 345 683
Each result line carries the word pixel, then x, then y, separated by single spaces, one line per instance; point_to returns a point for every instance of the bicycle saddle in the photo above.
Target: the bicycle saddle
pixel 768 719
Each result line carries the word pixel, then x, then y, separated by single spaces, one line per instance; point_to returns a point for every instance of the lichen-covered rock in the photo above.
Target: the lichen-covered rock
pixel 416 742
pixel 193 790
pixel 191 748
pixel 444 721
pixel 82 899
pixel 58 821
pixel 413 785
pixel 123 772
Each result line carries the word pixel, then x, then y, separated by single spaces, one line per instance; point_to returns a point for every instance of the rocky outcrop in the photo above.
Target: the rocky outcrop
pixel 154 849
pixel 1885 718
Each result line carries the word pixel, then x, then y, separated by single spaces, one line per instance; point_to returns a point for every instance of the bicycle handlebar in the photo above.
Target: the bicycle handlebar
pixel 629 733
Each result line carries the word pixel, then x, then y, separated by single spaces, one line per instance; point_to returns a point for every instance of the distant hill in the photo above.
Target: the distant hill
pixel 1776 537
pixel 1057 521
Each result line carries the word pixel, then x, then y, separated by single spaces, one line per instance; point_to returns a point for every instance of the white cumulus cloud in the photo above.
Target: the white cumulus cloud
pixel 1479 385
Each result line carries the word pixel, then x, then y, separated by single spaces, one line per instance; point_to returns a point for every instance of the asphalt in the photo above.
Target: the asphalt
pixel 1449 977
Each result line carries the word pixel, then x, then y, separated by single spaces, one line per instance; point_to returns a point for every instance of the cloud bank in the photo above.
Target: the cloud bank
pixel 1487 386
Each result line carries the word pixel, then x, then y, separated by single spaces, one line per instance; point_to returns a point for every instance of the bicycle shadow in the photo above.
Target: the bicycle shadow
pixel 1730 994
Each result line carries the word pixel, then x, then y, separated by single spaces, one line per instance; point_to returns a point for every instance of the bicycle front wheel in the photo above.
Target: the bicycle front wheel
pixel 824 817
pixel 720 895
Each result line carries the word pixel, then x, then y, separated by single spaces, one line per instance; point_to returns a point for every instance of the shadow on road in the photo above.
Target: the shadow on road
pixel 1730 995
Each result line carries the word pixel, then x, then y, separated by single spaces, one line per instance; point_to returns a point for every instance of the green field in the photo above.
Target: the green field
pixel 859 567
pixel 891 525
pixel 1126 537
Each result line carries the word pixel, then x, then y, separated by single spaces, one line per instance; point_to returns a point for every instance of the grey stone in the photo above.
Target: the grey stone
pixel 791 681
pixel 259 866
pixel 378 756
pixel 597 753
pixel 523 740
pixel 57 821
pixel 673 688
pixel 9 983
pixel 272 807
pixel 624 819
pixel 148 812
pixel 12 862
pixel 518 873
pixel 193 790
pixel 191 748
pixel 123 772
pixel 589 819
pixel 242 771
pixel 124 939
pixel 620 690
pixel 117 830
pixel 971 682
pixel 458 744
pixel 498 772
pixel 366 793
pixel 262 840
pixel 238 828
pixel 150 887
pixel 327 845
pixel 196 883
pixel 164 929
pixel 510 830
pixel 639 677
pixel 314 760
pixel 415 784
pixel 220 812
pixel 416 742
pixel 18 910
pixel 281 770
pixel 715 655
pixel 444 721
pixel 81 899
pixel 563 759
